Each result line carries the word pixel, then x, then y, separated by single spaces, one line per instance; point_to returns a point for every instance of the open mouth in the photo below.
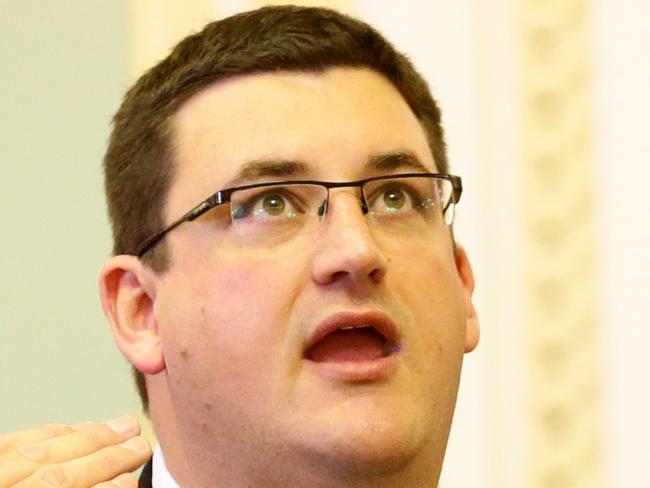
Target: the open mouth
pixel 356 343
pixel 348 337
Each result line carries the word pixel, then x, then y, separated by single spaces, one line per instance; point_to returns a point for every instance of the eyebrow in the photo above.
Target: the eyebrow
pixel 395 161
pixel 254 170
pixel 383 162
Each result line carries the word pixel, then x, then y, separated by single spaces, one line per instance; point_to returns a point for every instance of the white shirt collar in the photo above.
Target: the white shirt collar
pixel 160 477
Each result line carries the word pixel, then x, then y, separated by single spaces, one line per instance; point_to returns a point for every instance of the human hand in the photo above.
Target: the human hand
pixel 92 454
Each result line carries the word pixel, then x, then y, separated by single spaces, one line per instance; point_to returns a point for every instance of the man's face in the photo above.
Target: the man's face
pixel 235 321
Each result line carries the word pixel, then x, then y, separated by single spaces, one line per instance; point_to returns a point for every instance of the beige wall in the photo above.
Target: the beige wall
pixel 622 109
pixel 63 70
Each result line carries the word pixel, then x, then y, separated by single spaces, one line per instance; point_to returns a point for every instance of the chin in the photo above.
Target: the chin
pixel 373 447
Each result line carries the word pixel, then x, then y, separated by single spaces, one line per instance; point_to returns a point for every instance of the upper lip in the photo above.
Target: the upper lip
pixel 381 322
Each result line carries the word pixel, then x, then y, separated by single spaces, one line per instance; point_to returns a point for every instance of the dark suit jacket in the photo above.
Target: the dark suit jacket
pixel 145 476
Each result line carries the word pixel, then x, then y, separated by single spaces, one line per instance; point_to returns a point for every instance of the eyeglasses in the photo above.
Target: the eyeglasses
pixel 266 213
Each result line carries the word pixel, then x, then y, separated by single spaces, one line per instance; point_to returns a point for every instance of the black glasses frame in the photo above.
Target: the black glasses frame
pixel 223 196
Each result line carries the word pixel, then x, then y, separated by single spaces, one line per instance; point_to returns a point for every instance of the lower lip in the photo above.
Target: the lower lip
pixel 356 371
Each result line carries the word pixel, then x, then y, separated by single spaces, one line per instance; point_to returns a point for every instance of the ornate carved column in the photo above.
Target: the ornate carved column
pixel 558 198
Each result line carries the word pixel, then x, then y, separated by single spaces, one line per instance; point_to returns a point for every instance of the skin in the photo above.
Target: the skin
pixel 221 333
pixel 100 454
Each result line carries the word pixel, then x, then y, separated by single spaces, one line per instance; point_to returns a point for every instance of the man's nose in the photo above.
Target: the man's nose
pixel 346 248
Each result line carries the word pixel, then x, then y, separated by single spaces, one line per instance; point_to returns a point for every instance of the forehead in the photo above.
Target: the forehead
pixel 332 121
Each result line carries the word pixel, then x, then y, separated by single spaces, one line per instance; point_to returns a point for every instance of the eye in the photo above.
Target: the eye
pixel 392 198
pixel 266 206
pixel 272 204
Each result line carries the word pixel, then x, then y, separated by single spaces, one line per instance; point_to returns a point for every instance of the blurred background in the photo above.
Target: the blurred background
pixel 546 109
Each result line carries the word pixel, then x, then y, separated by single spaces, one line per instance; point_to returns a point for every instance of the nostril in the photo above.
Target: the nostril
pixel 377 275
pixel 339 275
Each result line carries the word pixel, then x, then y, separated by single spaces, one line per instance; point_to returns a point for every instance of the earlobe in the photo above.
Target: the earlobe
pixel 127 293
pixel 472 330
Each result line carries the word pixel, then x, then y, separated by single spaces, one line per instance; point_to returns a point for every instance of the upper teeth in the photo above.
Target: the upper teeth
pixel 355 327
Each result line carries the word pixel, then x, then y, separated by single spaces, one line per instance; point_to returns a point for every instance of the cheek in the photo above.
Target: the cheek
pixel 225 321
pixel 431 281
pixel 433 296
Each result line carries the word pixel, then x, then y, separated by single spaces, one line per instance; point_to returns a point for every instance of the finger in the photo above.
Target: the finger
pixel 9 442
pixel 111 432
pixel 85 439
pixel 122 481
pixel 100 466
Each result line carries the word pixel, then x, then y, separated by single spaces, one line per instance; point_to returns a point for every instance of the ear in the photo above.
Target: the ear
pixel 466 275
pixel 127 292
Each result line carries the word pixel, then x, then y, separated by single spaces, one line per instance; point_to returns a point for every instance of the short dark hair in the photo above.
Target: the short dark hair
pixel 139 161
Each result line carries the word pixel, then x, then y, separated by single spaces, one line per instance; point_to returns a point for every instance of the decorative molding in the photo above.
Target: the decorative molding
pixel 155 26
pixel 560 274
